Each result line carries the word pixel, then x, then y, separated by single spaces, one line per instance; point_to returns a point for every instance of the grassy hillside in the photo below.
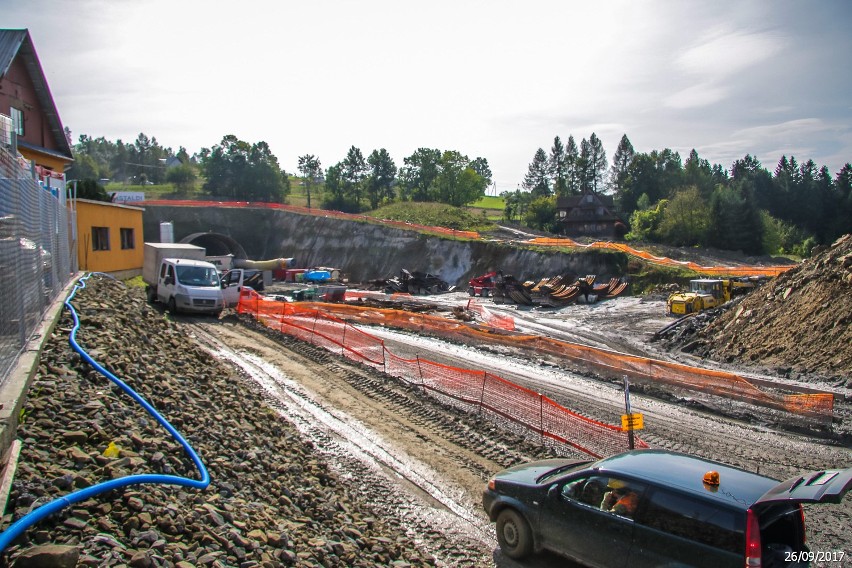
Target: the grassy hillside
pixel 436 214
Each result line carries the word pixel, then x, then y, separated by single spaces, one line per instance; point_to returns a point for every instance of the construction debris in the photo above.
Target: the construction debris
pixel 417 283
pixel 555 292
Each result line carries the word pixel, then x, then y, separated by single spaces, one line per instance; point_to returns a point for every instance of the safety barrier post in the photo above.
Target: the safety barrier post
pixel 343 341
pixel 541 416
pixel 420 372
pixel 314 328
pixel 482 394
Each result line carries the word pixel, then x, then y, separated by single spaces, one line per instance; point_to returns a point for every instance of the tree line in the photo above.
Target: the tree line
pixel 663 198
pixel 692 203
pixel 238 170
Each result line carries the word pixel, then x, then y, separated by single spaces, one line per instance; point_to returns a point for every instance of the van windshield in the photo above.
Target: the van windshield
pixel 198 276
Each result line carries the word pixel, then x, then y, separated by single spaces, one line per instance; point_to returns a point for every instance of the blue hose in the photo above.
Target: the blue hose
pixel 22 524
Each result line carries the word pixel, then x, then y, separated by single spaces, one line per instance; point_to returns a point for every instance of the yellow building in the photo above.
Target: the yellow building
pixel 109 238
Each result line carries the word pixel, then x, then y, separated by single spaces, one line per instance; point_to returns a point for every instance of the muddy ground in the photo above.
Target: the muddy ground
pixel 403 471
pixel 775 444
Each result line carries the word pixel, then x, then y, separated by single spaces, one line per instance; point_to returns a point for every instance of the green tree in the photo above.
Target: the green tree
pixel 558 168
pixel 620 162
pixel 698 173
pixel 686 219
pixel 481 167
pixel 597 163
pixel 585 173
pixel 248 172
pixel 334 188
pixel 352 174
pixel 541 213
pixel 183 177
pixel 381 178
pixel 420 171
pixel 572 167
pixel 537 180
pixel 457 183
pixel 84 167
pixel 735 222
pixel 89 189
pixel 645 222
pixel 311 170
pixel 516 203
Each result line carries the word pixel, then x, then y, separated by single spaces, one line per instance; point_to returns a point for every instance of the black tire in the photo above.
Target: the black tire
pixel 485 292
pixel 152 295
pixel 172 306
pixel 471 291
pixel 514 534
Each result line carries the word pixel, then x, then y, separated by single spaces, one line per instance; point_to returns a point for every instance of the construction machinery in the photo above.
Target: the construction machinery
pixel 483 285
pixel 708 293
pixel 415 282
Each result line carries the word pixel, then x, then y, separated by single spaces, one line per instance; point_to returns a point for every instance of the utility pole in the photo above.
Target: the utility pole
pixel 630 440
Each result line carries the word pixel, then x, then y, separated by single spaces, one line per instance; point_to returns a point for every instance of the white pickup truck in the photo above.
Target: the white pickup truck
pixel 179 277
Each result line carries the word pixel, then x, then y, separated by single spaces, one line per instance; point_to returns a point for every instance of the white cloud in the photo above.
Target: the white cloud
pixel 696 96
pixel 723 53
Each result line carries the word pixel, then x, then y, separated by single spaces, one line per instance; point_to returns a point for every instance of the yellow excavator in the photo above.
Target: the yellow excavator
pixel 707 293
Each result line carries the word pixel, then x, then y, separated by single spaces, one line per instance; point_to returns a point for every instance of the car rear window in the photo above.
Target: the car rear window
pixel 696 520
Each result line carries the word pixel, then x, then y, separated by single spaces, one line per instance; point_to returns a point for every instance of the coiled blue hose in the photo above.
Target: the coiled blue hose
pixel 22 524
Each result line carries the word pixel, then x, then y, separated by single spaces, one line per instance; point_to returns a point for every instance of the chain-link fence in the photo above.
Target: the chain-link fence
pixel 35 259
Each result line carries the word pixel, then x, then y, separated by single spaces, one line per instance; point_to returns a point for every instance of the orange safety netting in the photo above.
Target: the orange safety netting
pixel 494 320
pixel 608 363
pixel 315 212
pixel 474 391
pixel 714 270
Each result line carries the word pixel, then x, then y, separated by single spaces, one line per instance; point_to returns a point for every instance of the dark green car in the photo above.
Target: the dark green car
pixel 653 508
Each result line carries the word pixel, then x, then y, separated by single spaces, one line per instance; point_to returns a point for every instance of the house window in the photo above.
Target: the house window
pixel 562 213
pixel 18 121
pixel 127 239
pixel 100 238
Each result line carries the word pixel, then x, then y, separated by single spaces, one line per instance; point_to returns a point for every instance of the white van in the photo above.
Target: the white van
pixel 191 286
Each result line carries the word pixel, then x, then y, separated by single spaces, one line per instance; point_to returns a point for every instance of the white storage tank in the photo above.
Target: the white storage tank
pixel 167 232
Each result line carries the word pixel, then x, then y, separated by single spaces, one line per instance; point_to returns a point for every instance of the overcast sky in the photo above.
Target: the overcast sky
pixel 494 79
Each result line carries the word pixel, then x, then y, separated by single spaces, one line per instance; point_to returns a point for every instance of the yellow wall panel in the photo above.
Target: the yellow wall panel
pixel 113 217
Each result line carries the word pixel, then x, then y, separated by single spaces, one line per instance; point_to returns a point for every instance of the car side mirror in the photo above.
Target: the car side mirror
pixel 551 490
pixel 169 281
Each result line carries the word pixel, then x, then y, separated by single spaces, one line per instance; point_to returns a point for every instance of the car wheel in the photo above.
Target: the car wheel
pixel 172 306
pixel 513 534
pixel 471 291
pixel 485 292
pixel 152 294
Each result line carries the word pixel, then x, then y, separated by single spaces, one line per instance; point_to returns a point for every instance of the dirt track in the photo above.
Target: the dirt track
pixel 431 462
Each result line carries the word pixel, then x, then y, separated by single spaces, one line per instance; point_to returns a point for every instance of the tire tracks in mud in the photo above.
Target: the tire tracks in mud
pixel 452 526
pixel 681 423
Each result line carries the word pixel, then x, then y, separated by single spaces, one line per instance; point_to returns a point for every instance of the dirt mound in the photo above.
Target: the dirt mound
pixel 797 323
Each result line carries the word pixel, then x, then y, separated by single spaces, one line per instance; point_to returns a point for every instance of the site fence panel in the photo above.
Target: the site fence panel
pixel 518 408
pixel 35 259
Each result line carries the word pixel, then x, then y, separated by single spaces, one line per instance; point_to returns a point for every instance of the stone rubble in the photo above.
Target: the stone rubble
pixel 271 501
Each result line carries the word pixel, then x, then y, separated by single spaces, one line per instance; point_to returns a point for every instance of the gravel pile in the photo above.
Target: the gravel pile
pixel 271 501
pixel 797 325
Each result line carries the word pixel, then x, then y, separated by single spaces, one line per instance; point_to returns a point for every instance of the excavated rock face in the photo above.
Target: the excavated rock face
pixel 799 322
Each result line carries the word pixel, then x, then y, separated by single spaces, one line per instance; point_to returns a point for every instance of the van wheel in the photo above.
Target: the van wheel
pixel 172 306
pixel 513 534
pixel 152 295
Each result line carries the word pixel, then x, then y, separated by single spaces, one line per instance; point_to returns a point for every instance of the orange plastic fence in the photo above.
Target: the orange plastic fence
pixel 494 320
pixel 474 391
pixel 315 212
pixel 713 270
pixel 609 363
